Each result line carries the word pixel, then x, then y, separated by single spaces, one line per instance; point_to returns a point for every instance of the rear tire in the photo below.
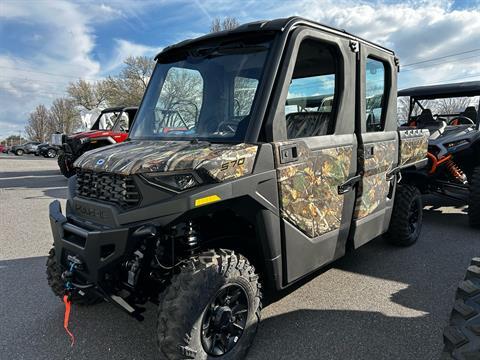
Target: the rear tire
pixel 462 336
pixel 474 198
pixel 19 152
pixel 51 153
pixel 54 278
pixel 65 167
pixel 406 222
pixel 215 294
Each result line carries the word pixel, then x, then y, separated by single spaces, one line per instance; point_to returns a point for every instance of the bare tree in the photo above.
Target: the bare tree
pixel 86 94
pixel 129 86
pixel 64 117
pixel 37 127
pixel 403 107
pixel 229 23
pixel 451 105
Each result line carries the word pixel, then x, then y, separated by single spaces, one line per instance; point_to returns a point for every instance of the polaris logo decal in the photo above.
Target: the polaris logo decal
pixel 100 162
pixel 90 211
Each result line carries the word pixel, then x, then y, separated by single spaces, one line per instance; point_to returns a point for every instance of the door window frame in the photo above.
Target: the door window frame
pixel 275 125
pixel 389 108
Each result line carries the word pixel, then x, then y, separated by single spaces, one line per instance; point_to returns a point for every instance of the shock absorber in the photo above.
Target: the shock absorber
pixel 455 171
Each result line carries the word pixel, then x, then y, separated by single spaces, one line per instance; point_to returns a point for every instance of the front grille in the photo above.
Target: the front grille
pixel 112 188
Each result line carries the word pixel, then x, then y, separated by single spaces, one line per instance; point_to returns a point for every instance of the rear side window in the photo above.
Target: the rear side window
pixel 311 105
pixel 375 94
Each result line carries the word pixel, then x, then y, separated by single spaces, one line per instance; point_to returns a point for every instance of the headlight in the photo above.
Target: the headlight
pixel 84 140
pixel 177 182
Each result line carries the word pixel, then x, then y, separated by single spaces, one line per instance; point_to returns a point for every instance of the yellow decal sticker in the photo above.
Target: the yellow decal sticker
pixel 207 200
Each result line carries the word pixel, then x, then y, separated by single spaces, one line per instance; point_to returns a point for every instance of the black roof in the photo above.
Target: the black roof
pixel 470 88
pixel 119 108
pixel 269 25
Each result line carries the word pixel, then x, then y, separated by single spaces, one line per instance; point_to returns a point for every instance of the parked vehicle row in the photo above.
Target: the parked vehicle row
pixel 33 147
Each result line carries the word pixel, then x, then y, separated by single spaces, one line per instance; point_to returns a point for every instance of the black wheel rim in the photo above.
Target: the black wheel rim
pixel 224 320
pixel 413 217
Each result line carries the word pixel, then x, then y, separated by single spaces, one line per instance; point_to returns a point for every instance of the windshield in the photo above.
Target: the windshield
pixel 446 109
pixel 106 121
pixel 205 93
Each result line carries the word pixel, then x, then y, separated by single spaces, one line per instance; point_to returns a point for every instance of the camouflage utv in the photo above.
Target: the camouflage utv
pixel 227 187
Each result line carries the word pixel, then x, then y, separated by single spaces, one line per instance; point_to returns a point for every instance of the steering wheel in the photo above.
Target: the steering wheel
pixel 227 126
pixel 461 120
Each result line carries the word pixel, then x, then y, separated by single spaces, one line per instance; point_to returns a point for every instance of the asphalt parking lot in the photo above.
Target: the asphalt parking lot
pixel 379 302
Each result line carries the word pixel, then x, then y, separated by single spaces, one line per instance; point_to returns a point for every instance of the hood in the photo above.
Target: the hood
pixel 221 161
pixel 90 134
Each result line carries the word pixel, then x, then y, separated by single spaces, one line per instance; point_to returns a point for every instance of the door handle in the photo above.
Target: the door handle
pixel 288 153
pixel 348 185
pixel 369 151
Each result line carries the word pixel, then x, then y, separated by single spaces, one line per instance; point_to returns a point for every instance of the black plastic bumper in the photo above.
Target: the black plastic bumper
pixel 98 251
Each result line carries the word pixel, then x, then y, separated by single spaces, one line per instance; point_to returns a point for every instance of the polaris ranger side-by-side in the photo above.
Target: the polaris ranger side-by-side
pixel 451 113
pixel 111 127
pixel 225 188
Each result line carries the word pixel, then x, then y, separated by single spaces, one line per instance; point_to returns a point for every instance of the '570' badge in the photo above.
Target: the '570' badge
pixel 233 163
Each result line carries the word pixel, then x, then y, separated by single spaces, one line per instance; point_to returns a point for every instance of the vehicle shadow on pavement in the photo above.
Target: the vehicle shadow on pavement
pixel 423 278
pixel 32 321
pixel 33 328
pixel 337 334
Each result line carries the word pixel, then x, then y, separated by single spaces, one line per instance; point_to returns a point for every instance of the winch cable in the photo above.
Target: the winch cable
pixel 68 303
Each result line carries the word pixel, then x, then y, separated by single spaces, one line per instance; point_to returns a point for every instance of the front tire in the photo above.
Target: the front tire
pixel 65 167
pixel 19 152
pixel 462 336
pixel 54 278
pixel 211 309
pixel 406 222
pixel 474 198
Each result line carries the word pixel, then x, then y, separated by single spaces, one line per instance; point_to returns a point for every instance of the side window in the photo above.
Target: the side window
pixel 243 93
pixel 123 122
pixel 374 94
pixel 180 101
pixel 311 105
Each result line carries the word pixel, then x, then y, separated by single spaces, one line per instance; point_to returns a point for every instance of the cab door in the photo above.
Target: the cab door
pixel 315 149
pixel 376 127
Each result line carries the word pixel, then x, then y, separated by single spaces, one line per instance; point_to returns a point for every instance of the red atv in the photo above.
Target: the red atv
pixel 111 127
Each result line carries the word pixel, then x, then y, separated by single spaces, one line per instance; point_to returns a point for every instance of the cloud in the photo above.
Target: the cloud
pixel 415 30
pixel 50 43
pixel 124 49
pixel 46 44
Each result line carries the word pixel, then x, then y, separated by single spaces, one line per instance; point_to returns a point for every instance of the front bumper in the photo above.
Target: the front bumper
pixel 99 251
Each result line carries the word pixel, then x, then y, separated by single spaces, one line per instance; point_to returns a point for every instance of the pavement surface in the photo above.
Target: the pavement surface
pixel 379 302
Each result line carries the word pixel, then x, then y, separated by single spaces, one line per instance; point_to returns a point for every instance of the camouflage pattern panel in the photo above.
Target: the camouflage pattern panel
pixel 231 164
pixel 383 159
pixel 309 188
pixel 374 193
pixel 374 186
pixel 221 161
pixel 413 146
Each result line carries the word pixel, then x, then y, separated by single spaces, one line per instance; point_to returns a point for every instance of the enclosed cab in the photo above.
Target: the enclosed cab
pixel 258 155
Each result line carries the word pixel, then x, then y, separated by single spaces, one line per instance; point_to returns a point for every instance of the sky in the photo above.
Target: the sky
pixel 45 44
